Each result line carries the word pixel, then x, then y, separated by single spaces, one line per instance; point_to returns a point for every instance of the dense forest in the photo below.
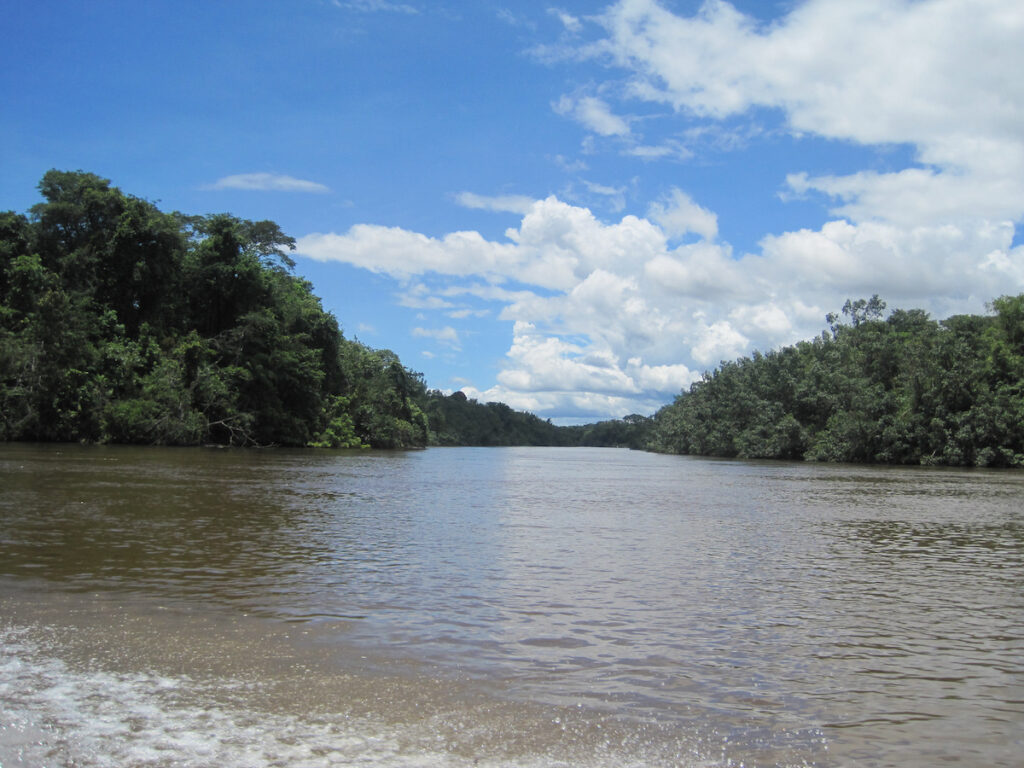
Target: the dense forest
pixel 905 389
pixel 122 323
pixel 457 420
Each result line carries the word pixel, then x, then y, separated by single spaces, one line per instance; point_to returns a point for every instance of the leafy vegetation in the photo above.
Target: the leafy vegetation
pixel 902 390
pixel 457 420
pixel 122 323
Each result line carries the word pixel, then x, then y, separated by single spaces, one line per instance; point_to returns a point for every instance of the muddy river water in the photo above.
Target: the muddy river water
pixel 504 607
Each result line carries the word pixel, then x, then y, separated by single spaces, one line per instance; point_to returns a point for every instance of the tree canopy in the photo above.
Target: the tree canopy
pixel 123 323
pixel 902 390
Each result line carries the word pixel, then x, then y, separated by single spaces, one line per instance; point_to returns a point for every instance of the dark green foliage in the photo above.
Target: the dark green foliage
pixel 628 432
pixel 904 390
pixel 457 420
pixel 121 323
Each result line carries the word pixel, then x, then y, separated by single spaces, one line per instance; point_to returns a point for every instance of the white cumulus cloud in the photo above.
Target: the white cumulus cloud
pixel 609 317
pixel 939 75
pixel 612 315
pixel 678 215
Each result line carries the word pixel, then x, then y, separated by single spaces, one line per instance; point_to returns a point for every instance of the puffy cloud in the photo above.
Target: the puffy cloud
pixel 718 341
pixel 938 75
pixel 400 253
pixel 555 246
pixel 660 378
pixel 609 315
pixel 875 71
pixel 917 196
pixel 613 317
pixel 267 182
pixel 920 264
pixel 543 363
pixel 701 270
pixel 678 215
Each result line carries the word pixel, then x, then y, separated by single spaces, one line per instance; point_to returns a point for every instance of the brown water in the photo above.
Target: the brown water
pixel 504 607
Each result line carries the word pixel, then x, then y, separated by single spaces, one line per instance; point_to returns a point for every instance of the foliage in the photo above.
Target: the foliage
pixel 457 420
pixel 903 390
pixel 122 323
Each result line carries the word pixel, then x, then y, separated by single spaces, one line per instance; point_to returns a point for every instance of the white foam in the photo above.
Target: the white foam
pixel 55 714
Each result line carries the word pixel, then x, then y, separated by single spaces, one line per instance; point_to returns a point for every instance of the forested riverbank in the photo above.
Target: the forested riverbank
pixel 905 389
pixel 120 323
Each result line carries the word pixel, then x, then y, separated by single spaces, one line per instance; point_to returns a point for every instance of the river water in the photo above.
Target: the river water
pixel 504 607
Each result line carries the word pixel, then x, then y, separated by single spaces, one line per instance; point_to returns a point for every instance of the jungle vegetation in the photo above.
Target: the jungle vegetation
pixel 457 420
pixel 903 389
pixel 122 323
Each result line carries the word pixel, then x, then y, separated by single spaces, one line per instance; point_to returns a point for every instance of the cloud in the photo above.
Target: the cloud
pixel 506 16
pixel 615 197
pixel 678 215
pixel 462 314
pixel 614 315
pixel 936 75
pixel 400 253
pixel 571 23
pixel 875 71
pixel 501 203
pixel 609 317
pixel 593 113
pixel 376 6
pixel 670 149
pixel 419 297
pixel 569 166
pixel 718 341
pixel 446 336
pixel 555 246
pixel 268 182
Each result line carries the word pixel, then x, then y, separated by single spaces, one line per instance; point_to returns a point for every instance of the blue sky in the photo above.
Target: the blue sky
pixel 574 208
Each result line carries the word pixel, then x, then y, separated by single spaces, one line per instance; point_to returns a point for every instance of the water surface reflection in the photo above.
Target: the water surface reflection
pixel 780 608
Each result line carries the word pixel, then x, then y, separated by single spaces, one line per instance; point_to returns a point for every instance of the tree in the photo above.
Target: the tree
pixel 119 322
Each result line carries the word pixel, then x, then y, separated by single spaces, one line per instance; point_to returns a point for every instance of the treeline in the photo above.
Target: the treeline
pixel 902 390
pixel 122 323
pixel 458 420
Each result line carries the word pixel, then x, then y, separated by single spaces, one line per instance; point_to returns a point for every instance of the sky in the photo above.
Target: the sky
pixel 575 208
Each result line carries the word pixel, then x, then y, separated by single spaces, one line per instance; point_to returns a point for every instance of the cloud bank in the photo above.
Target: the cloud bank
pixel 612 317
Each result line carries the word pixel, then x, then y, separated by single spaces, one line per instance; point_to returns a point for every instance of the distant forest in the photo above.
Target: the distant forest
pixel 120 323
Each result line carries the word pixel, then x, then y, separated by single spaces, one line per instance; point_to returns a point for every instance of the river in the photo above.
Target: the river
pixel 504 607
